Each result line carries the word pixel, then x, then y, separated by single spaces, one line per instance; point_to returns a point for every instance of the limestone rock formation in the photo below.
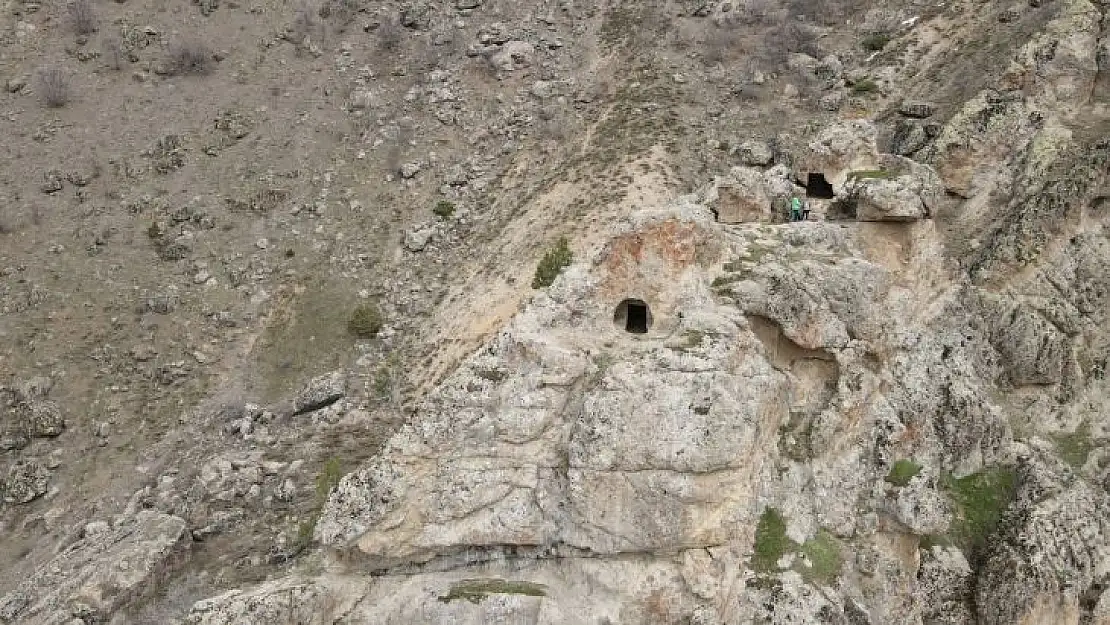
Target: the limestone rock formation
pixel 90 579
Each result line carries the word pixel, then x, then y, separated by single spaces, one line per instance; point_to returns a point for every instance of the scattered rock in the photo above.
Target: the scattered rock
pixel 409 170
pixel 916 109
pixel 513 55
pixel 418 237
pixel 26 481
pixel 321 391
pixel 755 153
pixel 52 181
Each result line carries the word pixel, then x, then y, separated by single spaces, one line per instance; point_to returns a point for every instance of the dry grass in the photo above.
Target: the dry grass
pixel 112 52
pixel 53 84
pixel 389 34
pixel 189 56
pixel 82 17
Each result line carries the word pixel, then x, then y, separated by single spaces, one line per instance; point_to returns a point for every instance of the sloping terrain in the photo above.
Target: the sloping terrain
pixel 248 249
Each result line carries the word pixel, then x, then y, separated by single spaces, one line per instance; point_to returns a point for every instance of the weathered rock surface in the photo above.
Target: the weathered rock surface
pixel 89 580
pixel 321 391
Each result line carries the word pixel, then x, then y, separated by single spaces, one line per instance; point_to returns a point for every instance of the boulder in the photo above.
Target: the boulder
pixel 26 481
pixel 755 153
pixel 321 391
pixel 743 197
pixel 513 55
pixel 901 191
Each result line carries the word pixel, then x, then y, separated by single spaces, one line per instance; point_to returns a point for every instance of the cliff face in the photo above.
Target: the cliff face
pixel 825 422
pixel 894 411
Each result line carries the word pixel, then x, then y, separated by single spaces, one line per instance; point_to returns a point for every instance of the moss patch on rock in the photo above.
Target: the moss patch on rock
pixel 475 590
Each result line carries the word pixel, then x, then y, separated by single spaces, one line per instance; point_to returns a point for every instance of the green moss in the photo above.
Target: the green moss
pixel 874 42
pixel 980 500
pixel 552 264
pixel 328 478
pixel 1074 447
pixel 365 321
pixel 902 472
pixel 720 281
pixel 864 85
pixel 823 553
pixel 443 209
pixel 475 590
pixel 771 542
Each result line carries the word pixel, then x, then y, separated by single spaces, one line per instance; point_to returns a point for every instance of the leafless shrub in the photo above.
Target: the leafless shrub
pixel 790 38
pixel 190 56
pixel 754 12
pixel 112 52
pixel 341 11
pixel 53 84
pixel 389 34
pixel 720 45
pixel 82 17
pixel 8 222
pixel 304 25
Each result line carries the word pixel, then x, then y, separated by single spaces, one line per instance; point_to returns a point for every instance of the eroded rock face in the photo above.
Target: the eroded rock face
pixel 567 437
pixel 95 576
pixel 1055 545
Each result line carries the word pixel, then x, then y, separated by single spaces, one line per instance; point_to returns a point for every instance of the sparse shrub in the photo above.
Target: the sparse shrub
pixel 552 264
pixel 304 26
pixel 54 87
pixel 444 209
pixel 365 322
pixel 875 42
pixel 112 51
pixel 82 17
pixel 719 45
pixel 189 56
pixel 754 12
pixel 8 222
pixel 389 34
pixel 902 472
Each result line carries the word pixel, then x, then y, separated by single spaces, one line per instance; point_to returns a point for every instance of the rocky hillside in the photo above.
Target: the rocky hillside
pixel 480 311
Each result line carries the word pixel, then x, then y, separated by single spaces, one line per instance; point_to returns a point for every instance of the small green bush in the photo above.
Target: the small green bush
pixel 552 264
pixel 902 472
pixel 875 42
pixel 865 85
pixel 365 322
pixel 771 542
pixel 443 209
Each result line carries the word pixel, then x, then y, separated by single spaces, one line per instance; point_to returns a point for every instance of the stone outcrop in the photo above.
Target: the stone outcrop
pixel 104 569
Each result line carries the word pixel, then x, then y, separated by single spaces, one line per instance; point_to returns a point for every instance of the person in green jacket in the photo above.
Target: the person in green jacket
pixel 795 209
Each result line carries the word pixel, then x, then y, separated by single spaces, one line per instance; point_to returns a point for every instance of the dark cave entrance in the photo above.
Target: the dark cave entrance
pixel 818 187
pixel 633 316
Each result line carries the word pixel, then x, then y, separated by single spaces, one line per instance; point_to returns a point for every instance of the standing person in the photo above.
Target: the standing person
pixel 795 209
